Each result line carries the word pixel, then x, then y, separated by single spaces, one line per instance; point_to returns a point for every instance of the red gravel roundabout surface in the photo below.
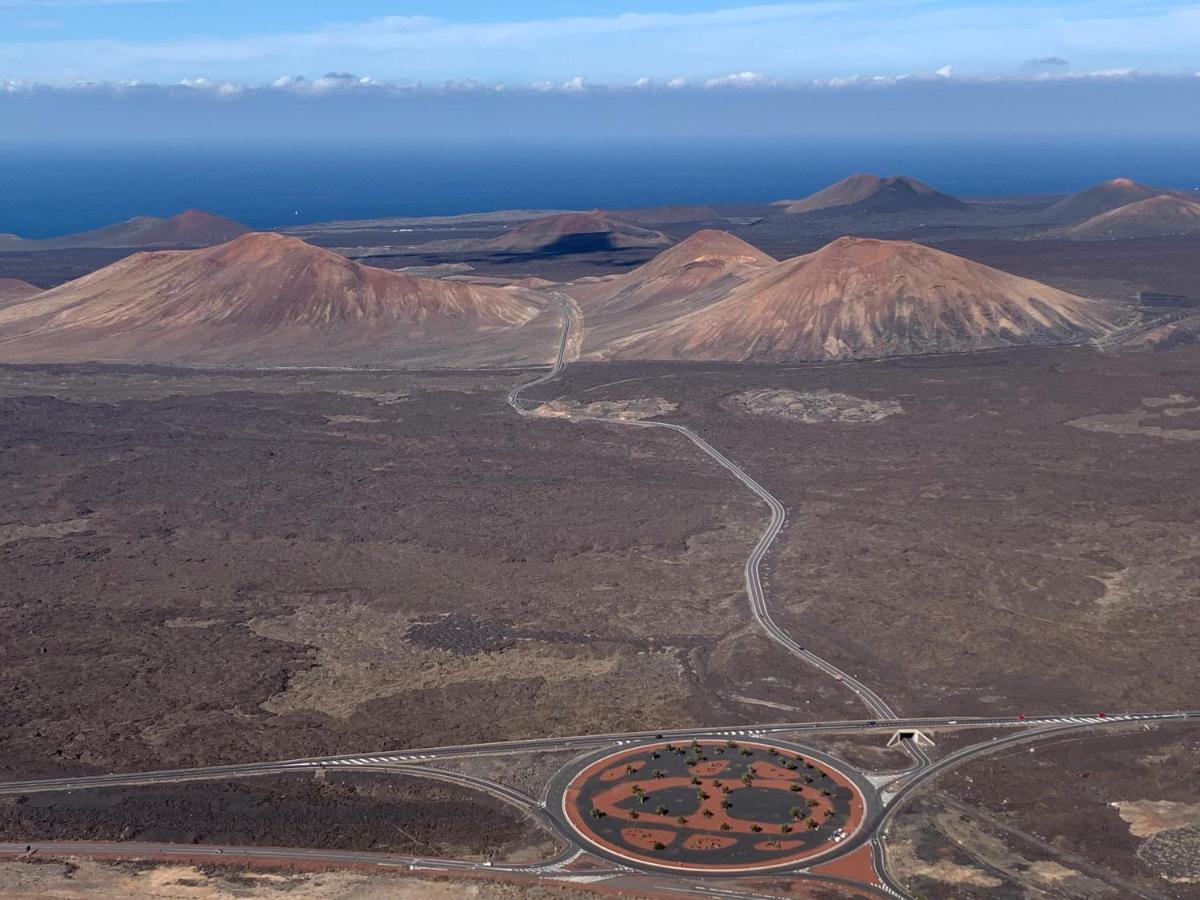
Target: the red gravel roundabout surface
pixel 725 806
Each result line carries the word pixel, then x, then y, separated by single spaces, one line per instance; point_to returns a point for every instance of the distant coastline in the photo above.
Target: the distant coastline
pixel 52 190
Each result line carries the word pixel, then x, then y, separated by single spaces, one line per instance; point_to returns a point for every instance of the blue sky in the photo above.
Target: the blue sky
pixel 612 42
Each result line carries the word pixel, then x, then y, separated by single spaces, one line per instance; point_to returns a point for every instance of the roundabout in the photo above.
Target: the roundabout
pixel 717 806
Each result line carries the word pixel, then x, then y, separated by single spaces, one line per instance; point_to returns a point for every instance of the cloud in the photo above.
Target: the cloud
pixel 347 83
pixel 737 80
pixel 1046 62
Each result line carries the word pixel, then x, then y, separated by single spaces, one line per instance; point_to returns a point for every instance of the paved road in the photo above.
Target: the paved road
pixel 414 757
pixel 339 857
pixel 560 358
pixel 752 574
pixel 753 566
pixel 917 780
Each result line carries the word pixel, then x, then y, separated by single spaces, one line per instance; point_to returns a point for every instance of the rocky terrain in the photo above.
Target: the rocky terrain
pixel 815 407
pixel 337 810
pixel 1082 816
pixel 982 524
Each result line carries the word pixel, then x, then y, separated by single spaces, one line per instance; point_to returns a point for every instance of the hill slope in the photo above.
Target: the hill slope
pixel 191 228
pixel 1162 214
pixel 696 271
pixel 870 193
pixel 263 298
pixel 14 290
pixel 869 298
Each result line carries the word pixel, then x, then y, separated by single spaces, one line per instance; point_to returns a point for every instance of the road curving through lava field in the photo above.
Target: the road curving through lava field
pixel 759 607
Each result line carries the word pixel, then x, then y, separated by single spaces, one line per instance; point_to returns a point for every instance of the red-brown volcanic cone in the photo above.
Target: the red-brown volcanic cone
pixel 1164 214
pixel 1100 198
pixel 870 298
pixel 191 228
pixel 262 295
pixel 871 193
pixel 687 277
pixel 675 274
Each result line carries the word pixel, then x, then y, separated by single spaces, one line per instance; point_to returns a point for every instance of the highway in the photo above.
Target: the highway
pixel 416 757
pixel 1031 729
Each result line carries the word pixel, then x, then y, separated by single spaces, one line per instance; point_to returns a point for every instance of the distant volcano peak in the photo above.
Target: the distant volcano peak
pixel 863 192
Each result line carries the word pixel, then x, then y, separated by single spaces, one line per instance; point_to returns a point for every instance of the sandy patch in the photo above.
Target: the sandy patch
pixel 1157 417
pixel 15 531
pixel 386 398
pixel 1147 818
pixel 350 420
pixel 191 622
pixel 636 410
pixel 815 407
pixel 1047 870
pixel 87 880
pixel 363 655
pixel 942 870
pixel 1173 400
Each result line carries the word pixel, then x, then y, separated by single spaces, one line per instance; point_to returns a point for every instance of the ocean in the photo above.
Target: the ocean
pixel 47 190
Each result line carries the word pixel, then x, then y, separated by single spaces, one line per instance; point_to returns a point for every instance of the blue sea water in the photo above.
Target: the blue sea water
pixel 55 189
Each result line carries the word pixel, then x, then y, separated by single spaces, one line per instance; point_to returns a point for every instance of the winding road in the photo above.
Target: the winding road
pixel 753 567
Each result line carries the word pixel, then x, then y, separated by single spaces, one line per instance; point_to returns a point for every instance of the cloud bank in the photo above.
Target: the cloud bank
pixel 740 106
